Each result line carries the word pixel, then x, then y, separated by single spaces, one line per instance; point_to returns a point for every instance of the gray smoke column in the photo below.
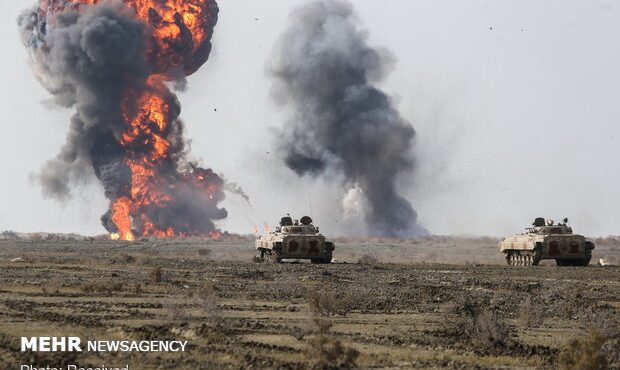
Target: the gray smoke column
pixel 325 69
pixel 112 62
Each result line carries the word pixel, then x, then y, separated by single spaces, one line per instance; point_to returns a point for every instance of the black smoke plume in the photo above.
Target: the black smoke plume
pixel 95 58
pixel 325 71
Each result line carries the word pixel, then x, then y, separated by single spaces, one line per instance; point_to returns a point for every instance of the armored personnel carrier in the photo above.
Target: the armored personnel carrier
pixel 295 239
pixel 547 240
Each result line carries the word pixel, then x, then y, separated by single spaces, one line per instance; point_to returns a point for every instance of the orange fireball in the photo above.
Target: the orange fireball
pixel 178 34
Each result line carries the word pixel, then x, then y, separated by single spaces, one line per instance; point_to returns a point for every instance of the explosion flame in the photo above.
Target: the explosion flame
pixel 153 191
pixel 181 30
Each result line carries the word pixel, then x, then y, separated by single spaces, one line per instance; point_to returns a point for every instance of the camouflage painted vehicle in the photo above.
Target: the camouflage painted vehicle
pixel 547 241
pixel 295 239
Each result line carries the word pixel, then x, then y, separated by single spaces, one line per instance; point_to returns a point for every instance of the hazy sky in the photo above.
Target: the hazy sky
pixel 516 105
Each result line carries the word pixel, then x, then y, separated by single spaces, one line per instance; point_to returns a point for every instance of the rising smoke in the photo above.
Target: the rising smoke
pixel 342 123
pixel 111 61
pixel 234 188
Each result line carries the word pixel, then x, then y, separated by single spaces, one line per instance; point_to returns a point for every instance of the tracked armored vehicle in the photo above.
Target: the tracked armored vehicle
pixel 294 239
pixel 547 240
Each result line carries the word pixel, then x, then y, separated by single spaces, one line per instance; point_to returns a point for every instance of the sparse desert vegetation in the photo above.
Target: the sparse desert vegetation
pixel 368 260
pixel 397 310
pixel 156 275
pixel 487 330
pixel 323 351
pixel 101 287
pixel 584 353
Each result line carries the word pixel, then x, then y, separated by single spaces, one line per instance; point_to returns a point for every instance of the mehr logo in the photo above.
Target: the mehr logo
pixel 51 344
pixel 74 344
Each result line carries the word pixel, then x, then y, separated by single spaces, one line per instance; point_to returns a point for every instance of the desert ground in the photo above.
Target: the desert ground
pixel 437 302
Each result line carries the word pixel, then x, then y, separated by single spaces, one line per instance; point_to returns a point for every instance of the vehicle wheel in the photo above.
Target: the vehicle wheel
pixel 513 259
pixel 261 255
pixel 509 258
pixel 316 260
pixel 529 260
